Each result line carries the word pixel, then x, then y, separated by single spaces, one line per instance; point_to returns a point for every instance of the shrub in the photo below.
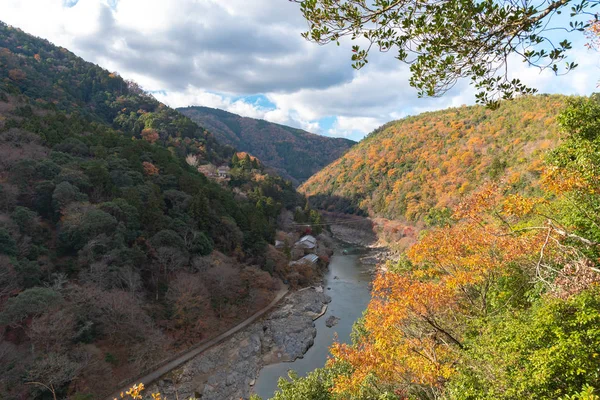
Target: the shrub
pixel 8 245
pixel 34 301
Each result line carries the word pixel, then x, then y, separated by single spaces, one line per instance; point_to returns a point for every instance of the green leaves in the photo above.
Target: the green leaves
pixel 547 352
pixel 30 302
pixel 445 41
pixel 577 161
pixel 315 386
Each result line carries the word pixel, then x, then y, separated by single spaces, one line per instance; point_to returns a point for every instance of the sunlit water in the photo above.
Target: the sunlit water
pixel 350 294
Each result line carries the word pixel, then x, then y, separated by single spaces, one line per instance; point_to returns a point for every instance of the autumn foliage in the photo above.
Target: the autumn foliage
pixel 415 322
pixel 498 300
pixel 149 168
pixel 407 168
pixel 150 135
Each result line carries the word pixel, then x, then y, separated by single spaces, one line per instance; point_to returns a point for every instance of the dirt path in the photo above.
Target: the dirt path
pixel 199 348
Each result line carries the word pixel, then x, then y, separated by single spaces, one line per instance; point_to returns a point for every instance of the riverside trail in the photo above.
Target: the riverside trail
pixel 169 365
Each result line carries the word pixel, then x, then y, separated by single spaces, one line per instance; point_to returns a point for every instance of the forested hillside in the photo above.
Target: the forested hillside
pixel 500 300
pixel 417 167
pixel 115 251
pixel 294 153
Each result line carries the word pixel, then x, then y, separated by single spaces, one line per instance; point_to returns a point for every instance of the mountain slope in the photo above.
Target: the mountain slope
pixel 407 168
pixel 294 153
pixel 115 251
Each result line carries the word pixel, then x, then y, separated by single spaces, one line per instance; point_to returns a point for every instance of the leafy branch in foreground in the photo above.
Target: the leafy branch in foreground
pixel 446 40
pixel 135 393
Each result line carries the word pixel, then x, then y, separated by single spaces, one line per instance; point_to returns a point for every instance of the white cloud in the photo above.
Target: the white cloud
pixel 211 52
pixel 352 126
pixel 194 96
pixel 582 80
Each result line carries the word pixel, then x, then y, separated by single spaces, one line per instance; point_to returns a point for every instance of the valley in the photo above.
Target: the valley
pixel 163 249
pixel 118 249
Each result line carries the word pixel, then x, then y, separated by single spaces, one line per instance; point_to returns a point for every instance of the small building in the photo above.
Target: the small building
pixel 307 242
pixel 208 170
pixel 223 172
pixel 309 259
pixel 279 244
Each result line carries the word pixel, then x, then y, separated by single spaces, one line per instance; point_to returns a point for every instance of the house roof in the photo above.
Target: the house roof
pixel 311 258
pixel 307 241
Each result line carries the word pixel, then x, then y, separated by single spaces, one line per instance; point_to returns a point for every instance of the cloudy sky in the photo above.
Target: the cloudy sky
pixel 247 57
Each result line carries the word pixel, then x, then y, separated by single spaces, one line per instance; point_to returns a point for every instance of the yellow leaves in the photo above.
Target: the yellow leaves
pixel 520 206
pixel 135 391
pixel 434 154
pixel 560 181
pixel 399 348
pixel 476 204
pixel 415 320
pixel 463 188
pixel 149 168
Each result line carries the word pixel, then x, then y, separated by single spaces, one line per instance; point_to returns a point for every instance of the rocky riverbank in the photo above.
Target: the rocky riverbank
pixel 359 234
pixel 228 370
pixel 377 257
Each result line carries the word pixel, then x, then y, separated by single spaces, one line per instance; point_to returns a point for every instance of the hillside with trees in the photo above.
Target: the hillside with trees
pixel 295 154
pixel 114 250
pixel 500 300
pixel 419 167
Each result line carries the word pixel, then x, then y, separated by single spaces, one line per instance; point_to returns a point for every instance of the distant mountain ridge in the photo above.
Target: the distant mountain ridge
pixel 293 153
pixel 417 167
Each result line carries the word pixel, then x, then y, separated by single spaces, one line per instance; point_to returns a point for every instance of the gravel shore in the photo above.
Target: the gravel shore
pixel 228 370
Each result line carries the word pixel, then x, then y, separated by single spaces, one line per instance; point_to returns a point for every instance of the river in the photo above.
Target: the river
pixel 349 283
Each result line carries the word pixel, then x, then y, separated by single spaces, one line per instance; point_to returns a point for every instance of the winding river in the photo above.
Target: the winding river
pixel 347 281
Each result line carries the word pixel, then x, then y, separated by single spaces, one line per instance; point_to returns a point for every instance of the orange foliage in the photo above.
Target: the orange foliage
pixel 16 75
pixel 149 168
pixel 414 320
pixel 435 159
pixel 150 135
pixel 242 154
pixel 561 181
pixel 593 35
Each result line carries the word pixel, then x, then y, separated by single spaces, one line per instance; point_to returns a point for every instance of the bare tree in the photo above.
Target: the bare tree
pixel 52 331
pixel 130 279
pixel 8 277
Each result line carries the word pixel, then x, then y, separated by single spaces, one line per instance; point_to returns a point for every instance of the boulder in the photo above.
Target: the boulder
pixel 331 321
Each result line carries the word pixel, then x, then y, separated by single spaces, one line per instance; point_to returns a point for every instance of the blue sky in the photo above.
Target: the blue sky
pixel 248 57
